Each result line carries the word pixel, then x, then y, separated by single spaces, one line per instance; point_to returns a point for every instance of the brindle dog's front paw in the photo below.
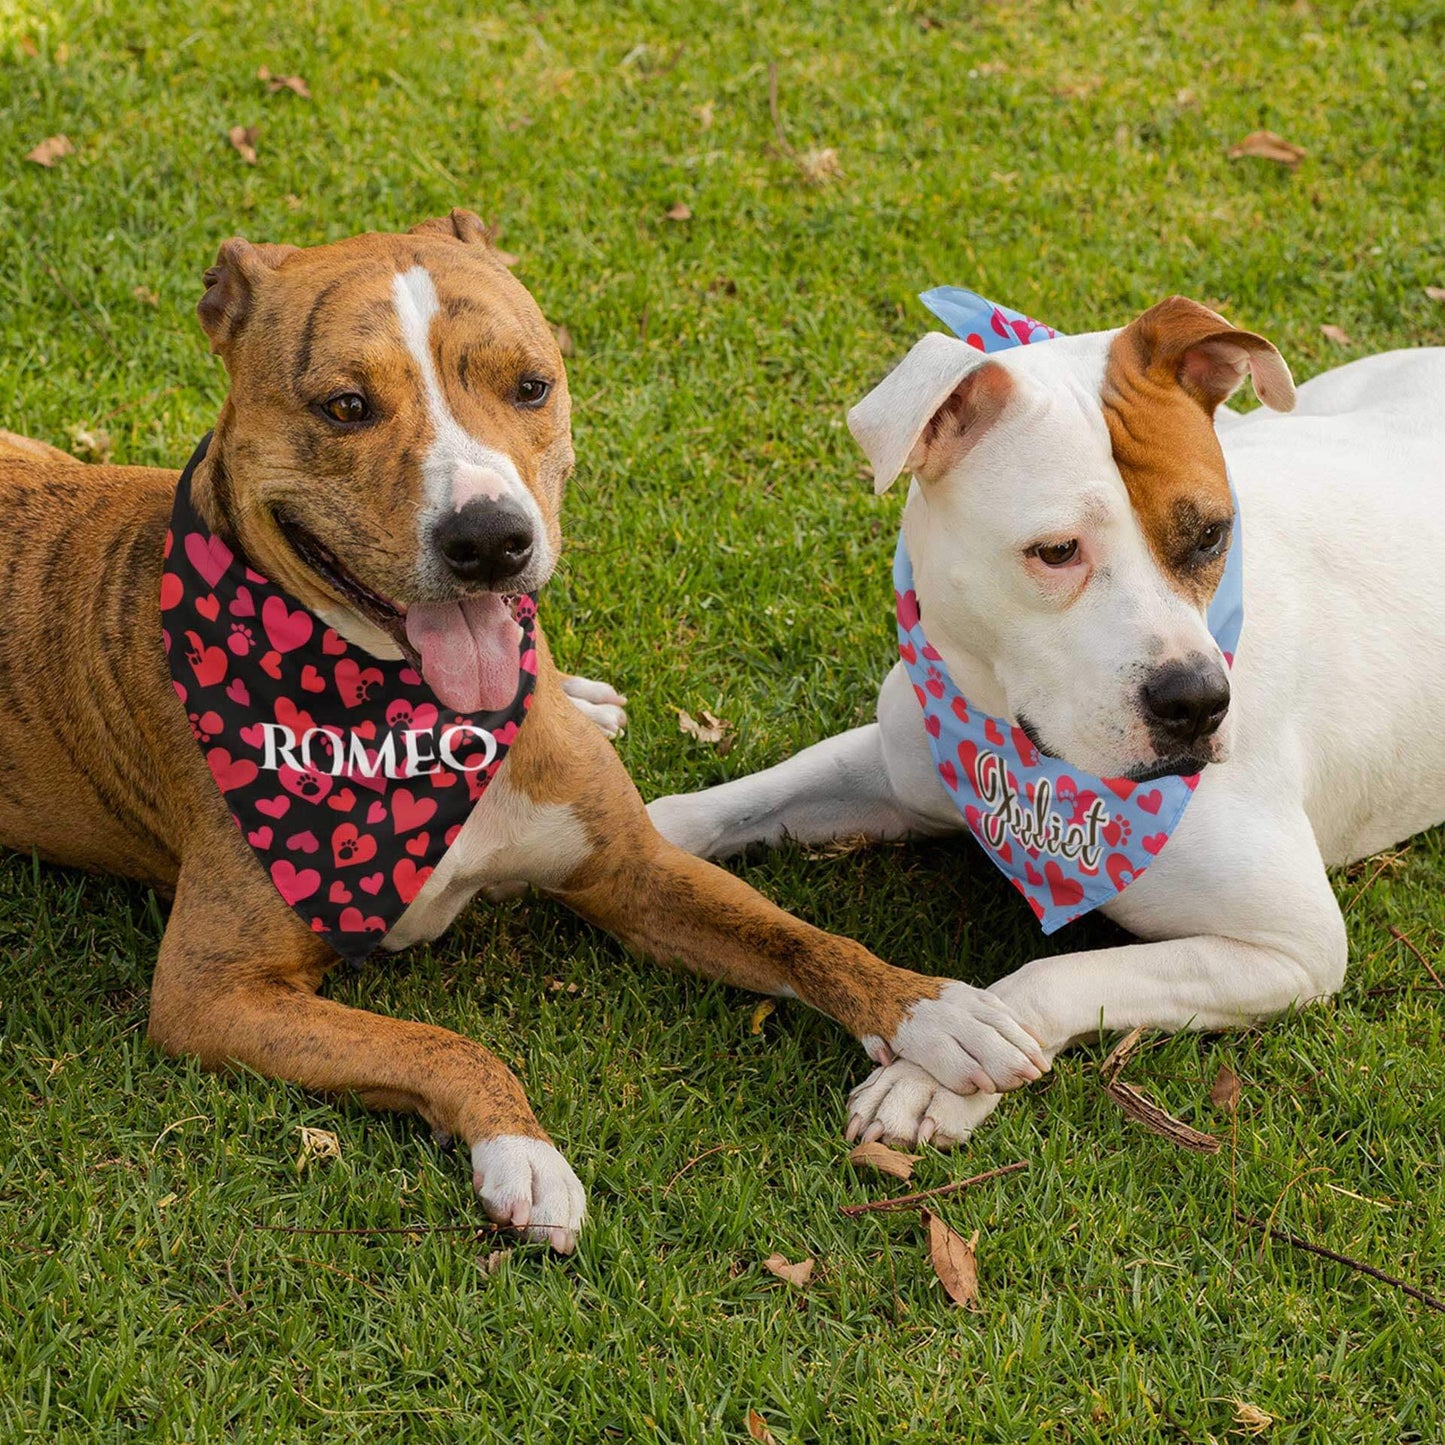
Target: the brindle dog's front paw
pixel 526 1183
pixel 903 1105
pixel 967 1039
pixel 598 703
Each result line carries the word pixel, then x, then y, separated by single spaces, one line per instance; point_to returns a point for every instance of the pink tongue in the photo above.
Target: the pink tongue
pixel 468 651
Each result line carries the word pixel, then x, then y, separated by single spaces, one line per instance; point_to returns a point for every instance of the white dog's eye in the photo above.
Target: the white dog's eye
pixel 1056 554
pixel 1212 539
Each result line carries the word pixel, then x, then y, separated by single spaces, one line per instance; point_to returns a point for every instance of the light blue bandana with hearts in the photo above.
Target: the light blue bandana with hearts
pixel 1067 840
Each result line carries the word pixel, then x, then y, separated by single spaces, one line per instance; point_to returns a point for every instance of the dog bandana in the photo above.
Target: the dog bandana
pixel 1068 841
pixel 344 772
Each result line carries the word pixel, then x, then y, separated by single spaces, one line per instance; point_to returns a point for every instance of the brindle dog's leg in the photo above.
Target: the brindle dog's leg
pixel 679 909
pixel 236 984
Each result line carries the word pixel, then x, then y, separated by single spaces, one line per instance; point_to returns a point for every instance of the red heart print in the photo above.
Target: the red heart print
pixel 934 686
pixel 410 676
pixel 1028 898
pixel 238 692
pixel 366 729
pixel 452 834
pixel 960 707
pixel 355 683
pixel 311 680
pixel 253 736
pixel 417 846
pixel 242 604
pixel 932 724
pixel 1190 781
pixel 208 663
pixel 172 590
pixel 1066 892
pixel 442 778
pixel 260 837
pixel 408 812
pixel 1120 787
pixel 1150 801
pixel 292 883
pixel 291 716
pixel 932 653
pixel 1032 873
pixel 906 651
pixel 372 883
pixel 287 630
pixel 1028 753
pixel 375 813
pixel 303 842
pixel 409 879
pixel 331 643
pixel 339 892
pixel 209 606
pixel 968 756
pixel 230 772
pixel 1120 870
pixel 343 801
pixel 273 807
pixel 993 733
pixel 352 921
pixel 350 847
pixel 1155 843
pixel 907 603
pixel 210 556
pixel 271 665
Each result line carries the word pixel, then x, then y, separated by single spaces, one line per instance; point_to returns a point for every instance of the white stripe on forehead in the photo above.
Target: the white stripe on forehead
pixel 457 468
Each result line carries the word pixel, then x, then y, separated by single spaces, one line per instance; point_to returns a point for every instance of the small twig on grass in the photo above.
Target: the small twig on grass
pixel 1409 943
pixel 1144 1110
pixel 1285 1237
pixel 905 1201
pixel 483 1227
pixel 697 1159
pixel 1365 886
pixel 783 145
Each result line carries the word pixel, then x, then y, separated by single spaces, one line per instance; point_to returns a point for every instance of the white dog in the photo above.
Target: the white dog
pixel 1067 519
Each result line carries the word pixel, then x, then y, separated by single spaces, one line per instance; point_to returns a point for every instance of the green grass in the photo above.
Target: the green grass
pixel 1069 160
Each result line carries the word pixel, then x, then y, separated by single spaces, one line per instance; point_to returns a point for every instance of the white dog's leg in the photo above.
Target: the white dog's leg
pixel 598 702
pixel 1262 932
pixel 834 789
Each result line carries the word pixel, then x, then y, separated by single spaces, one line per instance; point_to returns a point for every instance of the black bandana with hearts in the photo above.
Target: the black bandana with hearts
pixel 344 772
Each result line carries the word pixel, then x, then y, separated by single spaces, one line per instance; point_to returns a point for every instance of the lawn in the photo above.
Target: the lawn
pixel 1070 160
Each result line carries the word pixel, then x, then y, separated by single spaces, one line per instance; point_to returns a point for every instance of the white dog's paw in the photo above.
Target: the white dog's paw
pixel 598 703
pixel 968 1040
pixel 528 1184
pixel 685 824
pixel 902 1105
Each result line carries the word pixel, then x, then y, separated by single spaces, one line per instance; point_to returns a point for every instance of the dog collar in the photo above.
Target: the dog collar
pixel 1067 840
pixel 346 775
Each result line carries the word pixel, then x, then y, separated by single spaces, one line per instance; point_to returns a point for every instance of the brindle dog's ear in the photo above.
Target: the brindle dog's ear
pixel 230 284
pixel 465 226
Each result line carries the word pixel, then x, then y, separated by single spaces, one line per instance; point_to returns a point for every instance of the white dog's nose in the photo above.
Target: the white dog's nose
pixel 1187 701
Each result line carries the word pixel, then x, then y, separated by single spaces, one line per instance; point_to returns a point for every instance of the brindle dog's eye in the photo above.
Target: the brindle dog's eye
pixel 533 391
pixel 1057 554
pixel 347 407
pixel 1212 539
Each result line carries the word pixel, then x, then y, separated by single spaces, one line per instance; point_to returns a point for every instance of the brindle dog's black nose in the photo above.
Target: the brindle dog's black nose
pixel 486 542
pixel 1187 701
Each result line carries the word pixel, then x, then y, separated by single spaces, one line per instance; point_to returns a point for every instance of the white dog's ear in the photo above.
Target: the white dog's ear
pixel 1209 358
pixel 928 410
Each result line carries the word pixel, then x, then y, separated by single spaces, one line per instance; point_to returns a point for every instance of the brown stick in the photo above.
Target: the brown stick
pixel 1424 962
pixel 905 1201
pixel 484 1227
pixel 1285 1237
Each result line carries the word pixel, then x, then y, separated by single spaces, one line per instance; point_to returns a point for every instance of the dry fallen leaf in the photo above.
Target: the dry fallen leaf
pixel 1435 293
pixel 885 1160
pixel 1224 1093
pixel 243 142
pixel 797 1274
pixel 708 729
pixel 1265 145
pixel 759 1014
pixel 90 446
pixel 293 83
pixel 146 295
pixel 293 202
pixel 317 1144
pixel 1250 1418
pixel 50 150
pixel 704 115
pixel 1337 334
pixel 758 1429
pixel 493 1262
pixel 680 212
pixel 954 1260
pixel 564 340
pixel 820 165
